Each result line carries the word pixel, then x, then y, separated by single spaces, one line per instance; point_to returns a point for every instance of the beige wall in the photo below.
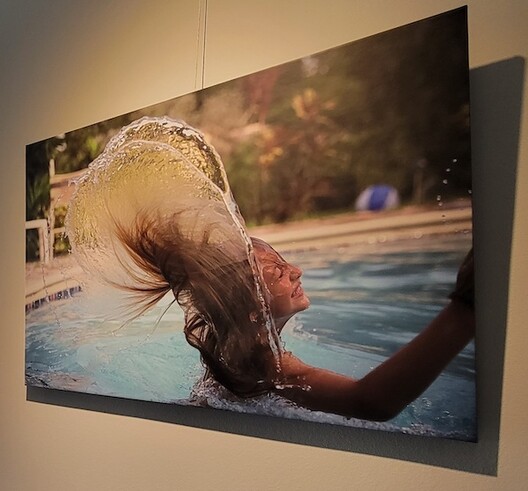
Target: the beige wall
pixel 67 64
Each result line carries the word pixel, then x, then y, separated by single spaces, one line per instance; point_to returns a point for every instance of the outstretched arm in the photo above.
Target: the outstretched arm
pixel 390 387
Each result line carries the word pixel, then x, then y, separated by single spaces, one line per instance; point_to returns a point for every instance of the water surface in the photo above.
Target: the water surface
pixel 366 302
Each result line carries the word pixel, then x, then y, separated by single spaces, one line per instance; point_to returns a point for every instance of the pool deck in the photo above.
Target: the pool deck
pixel 51 281
pixel 365 227
pixel 46 282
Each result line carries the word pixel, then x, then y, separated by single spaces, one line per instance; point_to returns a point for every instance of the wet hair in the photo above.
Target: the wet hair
pixel 214 283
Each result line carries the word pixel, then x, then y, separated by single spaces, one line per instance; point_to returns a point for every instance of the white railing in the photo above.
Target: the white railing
pixel 45 251
pixel 46 239
pixel 58 194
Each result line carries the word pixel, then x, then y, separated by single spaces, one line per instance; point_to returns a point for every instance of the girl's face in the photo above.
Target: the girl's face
pixel 283 281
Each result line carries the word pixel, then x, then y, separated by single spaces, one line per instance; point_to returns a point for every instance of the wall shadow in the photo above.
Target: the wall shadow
pixel 496 99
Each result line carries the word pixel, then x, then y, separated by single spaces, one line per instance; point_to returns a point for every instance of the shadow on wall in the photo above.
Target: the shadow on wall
pixel 496 101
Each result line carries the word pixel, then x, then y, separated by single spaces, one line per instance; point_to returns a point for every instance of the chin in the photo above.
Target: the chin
pixel 303 304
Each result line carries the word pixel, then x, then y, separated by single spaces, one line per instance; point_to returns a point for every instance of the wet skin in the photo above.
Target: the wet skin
pixel 387 389
pixel 283 281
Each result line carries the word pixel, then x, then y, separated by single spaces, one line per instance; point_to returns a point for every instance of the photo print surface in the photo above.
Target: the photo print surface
pixel 292 243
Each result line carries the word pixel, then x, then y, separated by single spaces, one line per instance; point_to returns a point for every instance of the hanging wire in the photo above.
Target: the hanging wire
pixel 200 45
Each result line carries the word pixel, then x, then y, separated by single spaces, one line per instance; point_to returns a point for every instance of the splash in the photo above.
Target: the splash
pixel 163 167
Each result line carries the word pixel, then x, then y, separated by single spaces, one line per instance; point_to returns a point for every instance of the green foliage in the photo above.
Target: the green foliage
pixel 32 245
pixel 78 148
pixel 61 244
pixel 246 182
pixel 307 137
pixel 37 196
pixel 37 191
pixel 382 110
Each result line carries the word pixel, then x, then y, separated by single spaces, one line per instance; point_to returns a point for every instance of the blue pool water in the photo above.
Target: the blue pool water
pixel 366 302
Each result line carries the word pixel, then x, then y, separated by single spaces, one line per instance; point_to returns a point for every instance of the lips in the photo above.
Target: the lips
pixel 298 291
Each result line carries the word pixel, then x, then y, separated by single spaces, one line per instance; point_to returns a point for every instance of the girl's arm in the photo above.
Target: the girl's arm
pixel 390 387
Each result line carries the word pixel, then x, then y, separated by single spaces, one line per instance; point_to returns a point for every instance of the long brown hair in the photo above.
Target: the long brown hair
pixel 214 283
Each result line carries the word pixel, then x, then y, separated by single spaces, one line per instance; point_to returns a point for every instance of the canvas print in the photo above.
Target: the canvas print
pixel 296 243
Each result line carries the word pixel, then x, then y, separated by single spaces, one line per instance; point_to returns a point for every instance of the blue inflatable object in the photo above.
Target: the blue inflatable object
pixel 378 197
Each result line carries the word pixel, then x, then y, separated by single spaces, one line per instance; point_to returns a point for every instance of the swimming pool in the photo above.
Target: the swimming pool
pixel 366 302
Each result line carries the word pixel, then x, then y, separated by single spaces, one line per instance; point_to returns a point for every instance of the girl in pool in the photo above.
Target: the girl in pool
pixel 385 391
pixel 127 225
pixel 226 323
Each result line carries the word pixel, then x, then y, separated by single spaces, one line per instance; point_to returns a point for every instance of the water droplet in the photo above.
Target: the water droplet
pixel 455 161
pixel 445 181
pixel 469 191
pixel 448 169
pixel 438 197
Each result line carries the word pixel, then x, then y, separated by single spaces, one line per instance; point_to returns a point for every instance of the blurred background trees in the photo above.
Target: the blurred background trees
pixel 306 137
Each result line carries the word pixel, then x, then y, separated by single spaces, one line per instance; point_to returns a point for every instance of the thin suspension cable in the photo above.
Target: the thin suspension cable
pixel 204 42
pixel 200 45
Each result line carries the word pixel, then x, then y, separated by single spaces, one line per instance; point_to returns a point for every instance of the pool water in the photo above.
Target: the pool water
pixel 366 302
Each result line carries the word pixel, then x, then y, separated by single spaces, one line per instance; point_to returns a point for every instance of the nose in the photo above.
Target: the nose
pixel 295 272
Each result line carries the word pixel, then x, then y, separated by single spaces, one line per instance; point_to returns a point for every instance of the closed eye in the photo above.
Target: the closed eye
pixel 276 270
